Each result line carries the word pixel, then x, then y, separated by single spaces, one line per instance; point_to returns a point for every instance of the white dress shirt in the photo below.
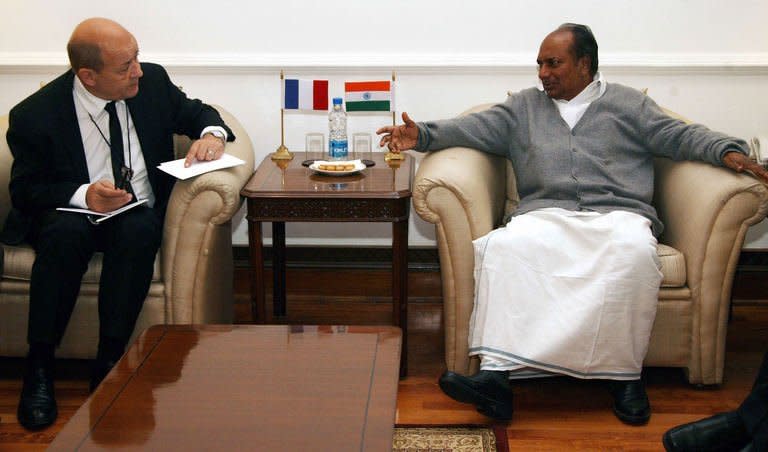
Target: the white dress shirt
pixel 572 110
pixel 97 152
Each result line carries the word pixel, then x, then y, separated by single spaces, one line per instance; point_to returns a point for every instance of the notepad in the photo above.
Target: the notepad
pixel 98 217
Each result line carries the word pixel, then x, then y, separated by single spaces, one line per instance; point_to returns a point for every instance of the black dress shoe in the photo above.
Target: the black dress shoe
pixel 99 371
pixel 37 405
pixel 488 390
pixel 721 432
pixel 751 447
pixel 630 402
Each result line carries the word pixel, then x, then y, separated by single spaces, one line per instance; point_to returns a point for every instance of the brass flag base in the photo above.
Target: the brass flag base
pixel 282 153
pixel 393 156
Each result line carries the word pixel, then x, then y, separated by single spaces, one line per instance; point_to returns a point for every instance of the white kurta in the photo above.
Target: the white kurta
pixel 563 292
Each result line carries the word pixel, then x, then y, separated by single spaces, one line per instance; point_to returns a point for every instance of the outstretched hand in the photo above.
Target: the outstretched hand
pixel 740 163
pixel 400 138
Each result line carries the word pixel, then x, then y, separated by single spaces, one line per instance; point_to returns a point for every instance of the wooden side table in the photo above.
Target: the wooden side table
pixel 281 191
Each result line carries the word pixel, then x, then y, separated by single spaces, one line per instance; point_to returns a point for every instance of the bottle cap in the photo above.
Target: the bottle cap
pixel 337 101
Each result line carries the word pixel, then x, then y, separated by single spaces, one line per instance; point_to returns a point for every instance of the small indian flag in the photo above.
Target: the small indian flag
pixel 305 94
pixel 369 96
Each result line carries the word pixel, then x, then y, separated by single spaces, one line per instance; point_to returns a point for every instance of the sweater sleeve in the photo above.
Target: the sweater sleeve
pixel 675 139
pixel 488 130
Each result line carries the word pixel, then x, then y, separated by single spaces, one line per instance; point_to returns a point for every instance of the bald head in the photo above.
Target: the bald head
pixel 91 38
pixel 105 57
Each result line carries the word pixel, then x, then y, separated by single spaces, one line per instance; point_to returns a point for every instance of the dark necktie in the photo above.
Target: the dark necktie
pixel 116 146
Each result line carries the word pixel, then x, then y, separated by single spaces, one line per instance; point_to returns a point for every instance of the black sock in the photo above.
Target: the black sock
pixel 40 351
pixel 40 355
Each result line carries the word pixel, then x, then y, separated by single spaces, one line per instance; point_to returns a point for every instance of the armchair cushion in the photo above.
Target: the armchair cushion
pixel 18 260
pixel 672 266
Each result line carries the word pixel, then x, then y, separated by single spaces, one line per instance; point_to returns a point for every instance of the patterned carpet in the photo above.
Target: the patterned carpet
pixel 453 438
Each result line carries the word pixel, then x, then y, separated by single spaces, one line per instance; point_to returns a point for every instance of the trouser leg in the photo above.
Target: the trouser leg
pixel 63 243
pixel 130 244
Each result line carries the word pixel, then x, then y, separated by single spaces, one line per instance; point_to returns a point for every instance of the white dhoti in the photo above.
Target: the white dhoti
pixel 562 292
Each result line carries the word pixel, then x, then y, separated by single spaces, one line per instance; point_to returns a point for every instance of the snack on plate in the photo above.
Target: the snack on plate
pixel 340 166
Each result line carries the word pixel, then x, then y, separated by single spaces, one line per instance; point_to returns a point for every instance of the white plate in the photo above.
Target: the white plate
pixel 315 166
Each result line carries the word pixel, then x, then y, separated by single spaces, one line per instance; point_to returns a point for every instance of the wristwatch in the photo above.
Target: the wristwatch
pixel 217 134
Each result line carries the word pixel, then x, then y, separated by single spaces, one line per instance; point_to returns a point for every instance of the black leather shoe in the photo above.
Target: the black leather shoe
pixel 751 447
pixel 37 405
pixel 630 402
pixel 488 390
pixel 99 371
pixel 724 431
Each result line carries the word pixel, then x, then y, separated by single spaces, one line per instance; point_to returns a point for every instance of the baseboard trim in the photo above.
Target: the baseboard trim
pixel 361 258
pixel 419 259
pixel 753 260
pixel 750 282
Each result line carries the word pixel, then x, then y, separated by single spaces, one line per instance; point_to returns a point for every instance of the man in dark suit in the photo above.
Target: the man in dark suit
pixel 93 138
pixel 745 429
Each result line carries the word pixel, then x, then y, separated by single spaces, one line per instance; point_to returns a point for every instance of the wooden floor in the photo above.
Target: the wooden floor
pixel 550 414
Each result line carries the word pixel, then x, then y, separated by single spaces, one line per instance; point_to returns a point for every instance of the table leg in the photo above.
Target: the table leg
pixel 278 268
pixel 258 303
pixel 400 286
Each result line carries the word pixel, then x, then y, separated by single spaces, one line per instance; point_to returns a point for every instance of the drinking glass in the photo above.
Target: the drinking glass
pixel 361 146
pixel 314 148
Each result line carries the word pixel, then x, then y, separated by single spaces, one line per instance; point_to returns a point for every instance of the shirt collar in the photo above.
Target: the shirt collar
pixel 94 105
pixel 590 93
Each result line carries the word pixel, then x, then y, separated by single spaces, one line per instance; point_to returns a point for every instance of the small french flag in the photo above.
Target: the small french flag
pixel 305 94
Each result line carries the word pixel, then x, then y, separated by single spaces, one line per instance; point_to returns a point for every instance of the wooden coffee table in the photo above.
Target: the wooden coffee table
pixel 284 190
pixel 276 387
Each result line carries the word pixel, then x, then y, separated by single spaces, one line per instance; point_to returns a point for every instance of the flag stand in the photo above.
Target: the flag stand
pixel 393 155
pixel 282 152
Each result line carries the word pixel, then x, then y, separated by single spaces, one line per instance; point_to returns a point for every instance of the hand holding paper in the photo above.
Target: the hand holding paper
pixel 207 148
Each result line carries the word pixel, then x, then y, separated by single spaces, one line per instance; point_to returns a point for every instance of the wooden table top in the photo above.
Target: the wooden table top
pixel 288 178
pixel 245 387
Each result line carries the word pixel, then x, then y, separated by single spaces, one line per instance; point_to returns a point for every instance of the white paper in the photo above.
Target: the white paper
pixel 176 167
pixel 103 215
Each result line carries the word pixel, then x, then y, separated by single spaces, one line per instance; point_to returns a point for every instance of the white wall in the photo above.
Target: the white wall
pixel 706 60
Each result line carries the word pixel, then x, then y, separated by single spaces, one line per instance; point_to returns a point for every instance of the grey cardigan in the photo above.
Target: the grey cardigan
pixel 605 163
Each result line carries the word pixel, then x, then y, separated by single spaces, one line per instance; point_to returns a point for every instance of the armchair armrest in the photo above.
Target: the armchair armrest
pixel 706 211
pixel 703 204
pixel 196 251
pixel 473 179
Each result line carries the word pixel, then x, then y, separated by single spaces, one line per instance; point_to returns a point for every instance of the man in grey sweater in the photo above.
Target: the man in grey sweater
pixel 569 285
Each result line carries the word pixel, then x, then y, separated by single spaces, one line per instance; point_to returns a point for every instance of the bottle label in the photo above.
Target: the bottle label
pixel 338 149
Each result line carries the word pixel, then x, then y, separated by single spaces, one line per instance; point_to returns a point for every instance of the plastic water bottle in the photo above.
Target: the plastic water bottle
pixel 337 131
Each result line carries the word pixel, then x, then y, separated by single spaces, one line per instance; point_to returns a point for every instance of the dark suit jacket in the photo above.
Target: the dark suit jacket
pixel 49 160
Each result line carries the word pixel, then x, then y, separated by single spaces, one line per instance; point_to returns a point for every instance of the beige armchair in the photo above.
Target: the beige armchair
pixel 193 276
pixel 706 210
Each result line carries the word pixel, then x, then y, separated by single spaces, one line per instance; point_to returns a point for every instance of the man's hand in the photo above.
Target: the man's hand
pixel 102 196
pixel 209 147
pixel 740 163
pixel 400 138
